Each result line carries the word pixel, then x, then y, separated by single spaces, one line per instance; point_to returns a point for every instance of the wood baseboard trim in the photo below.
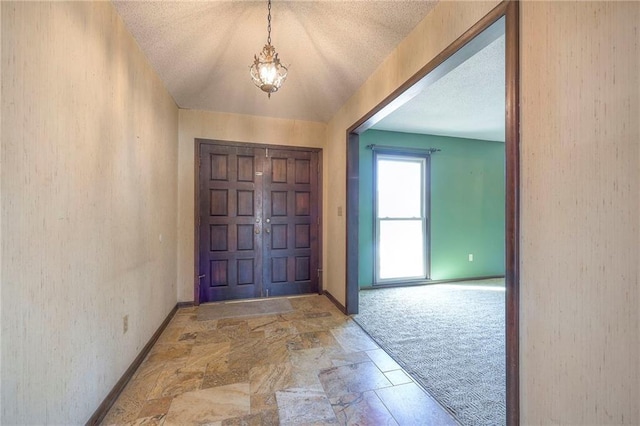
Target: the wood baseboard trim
pixel 111 398
pixel 335 302
pixel 185 305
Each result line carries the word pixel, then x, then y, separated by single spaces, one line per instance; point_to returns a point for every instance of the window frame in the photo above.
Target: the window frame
pixel 424 160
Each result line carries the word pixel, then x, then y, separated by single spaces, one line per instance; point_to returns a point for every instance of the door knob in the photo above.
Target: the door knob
pixel 268 220
pixel 268 231
pixel 257 230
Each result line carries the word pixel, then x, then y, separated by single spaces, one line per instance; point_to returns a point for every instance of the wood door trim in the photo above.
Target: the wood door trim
pixel 198 142
pixel 512 216
pixel 509 9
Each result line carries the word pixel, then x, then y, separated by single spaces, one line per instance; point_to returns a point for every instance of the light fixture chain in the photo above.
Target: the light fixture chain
pixel 269 24
pixel 266 71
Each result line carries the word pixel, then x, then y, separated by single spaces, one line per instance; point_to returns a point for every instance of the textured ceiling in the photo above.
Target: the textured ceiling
pixel 202 50
pixel 468 102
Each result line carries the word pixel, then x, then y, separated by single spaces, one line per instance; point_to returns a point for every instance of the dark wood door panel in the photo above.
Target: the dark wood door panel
pixel 230 250
pixel 291 200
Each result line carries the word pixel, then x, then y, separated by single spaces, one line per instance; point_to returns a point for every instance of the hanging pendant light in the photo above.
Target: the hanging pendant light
pixel 267 72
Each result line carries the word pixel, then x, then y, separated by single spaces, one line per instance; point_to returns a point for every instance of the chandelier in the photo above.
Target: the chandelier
pixel 267 72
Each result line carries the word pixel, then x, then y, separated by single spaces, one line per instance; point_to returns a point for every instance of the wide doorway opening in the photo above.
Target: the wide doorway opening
pixel 476 173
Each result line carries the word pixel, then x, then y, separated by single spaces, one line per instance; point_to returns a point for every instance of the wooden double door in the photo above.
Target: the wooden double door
pixel 258 221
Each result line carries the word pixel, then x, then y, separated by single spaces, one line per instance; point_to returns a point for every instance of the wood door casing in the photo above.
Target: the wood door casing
pixel 258 222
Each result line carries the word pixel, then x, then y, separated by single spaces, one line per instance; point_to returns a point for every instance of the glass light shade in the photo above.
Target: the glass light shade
pixel 267 72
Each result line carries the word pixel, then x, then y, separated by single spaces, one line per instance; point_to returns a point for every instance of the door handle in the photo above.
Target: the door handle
pixel 268 220
pixel 201 276
pixel 257 230
pixel 268 231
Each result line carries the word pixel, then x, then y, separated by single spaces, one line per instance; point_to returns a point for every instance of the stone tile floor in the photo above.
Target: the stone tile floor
pixel 312 366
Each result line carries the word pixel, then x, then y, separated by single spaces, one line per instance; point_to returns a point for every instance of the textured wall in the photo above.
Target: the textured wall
pixel 89 181
pixel 235 128
pixel 436 31
pixel 467 204
pixel 580 181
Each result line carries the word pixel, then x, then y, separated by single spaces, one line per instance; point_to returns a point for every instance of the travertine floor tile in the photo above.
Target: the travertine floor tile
pixel 155 407
pixel 316 339
pixel 198 326
pixel 306 379
pixel 353 339
pixel 269 370
pixel 348 358
pixel 215 378
pixel 361 409
pixel 246 352
pixel 353 378
pixel 314 358
pixel 263 402
pixel 209 405
pixel 398 377
pixel 410 405
pixel 266 379
pixel 171 383
pixel 206 356
pixel 264 418
pixel 169 351
pixel 133 397
pixel 382 360
pixel 304 407
pixel 171 334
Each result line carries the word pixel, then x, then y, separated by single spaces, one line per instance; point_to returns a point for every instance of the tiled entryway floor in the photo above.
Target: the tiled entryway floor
pixel 312 366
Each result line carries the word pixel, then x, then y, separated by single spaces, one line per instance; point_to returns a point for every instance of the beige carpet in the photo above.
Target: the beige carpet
pixel 216 311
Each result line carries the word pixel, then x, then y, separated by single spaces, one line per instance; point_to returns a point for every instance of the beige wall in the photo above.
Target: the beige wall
pixel 89 183
pixel 580 116
pixel 580 346
pixel 226 127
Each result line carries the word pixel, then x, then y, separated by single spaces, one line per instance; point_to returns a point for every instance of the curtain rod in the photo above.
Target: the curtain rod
pixel 427 151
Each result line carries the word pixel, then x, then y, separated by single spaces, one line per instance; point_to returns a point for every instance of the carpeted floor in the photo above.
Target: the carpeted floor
pixel 450 338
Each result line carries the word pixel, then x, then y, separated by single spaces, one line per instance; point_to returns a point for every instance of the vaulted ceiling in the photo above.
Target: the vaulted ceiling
pixel 202 49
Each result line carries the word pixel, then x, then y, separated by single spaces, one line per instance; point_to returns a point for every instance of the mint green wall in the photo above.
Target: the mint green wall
pixel 467 204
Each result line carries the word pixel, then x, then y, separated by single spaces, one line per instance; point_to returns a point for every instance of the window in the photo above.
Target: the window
pixel 401 226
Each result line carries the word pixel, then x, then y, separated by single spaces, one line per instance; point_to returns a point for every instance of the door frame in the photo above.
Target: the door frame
pixel 198 142
pixel 510 10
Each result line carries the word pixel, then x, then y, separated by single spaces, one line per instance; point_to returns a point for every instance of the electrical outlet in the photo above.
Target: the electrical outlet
pixel 125 324
pixel 470 257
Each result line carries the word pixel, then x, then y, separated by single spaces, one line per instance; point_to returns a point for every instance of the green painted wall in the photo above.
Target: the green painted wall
pixel 467 204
